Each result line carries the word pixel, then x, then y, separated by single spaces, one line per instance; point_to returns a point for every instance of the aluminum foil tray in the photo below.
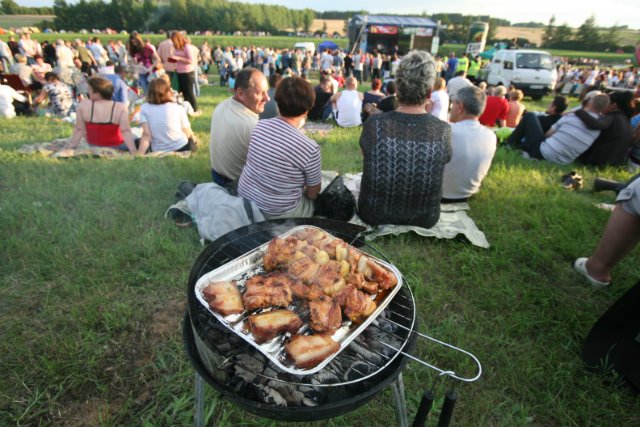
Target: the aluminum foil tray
pixel 249 265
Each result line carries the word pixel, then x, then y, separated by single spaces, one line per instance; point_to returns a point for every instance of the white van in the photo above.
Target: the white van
pixel 305 46
pixel 531 71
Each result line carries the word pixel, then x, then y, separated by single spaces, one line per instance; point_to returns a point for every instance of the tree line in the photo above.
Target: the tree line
pixel 190 15
pixel 10 7
pixel 587 36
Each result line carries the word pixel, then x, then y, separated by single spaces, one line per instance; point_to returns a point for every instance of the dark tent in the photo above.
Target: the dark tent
pixel 327 44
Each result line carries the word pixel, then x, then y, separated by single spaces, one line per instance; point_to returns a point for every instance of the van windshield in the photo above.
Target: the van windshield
pixel 536 61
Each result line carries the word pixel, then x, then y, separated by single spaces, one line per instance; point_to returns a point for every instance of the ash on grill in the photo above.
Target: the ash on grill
pixel 253 376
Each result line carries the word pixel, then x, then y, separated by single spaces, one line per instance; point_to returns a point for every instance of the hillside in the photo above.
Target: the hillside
pixel 333 25
pixel 534 35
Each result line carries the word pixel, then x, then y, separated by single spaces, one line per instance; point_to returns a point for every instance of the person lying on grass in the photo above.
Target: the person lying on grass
pixel 101 121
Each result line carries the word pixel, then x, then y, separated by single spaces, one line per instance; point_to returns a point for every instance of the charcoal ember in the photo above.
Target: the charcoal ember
pixel 289 392
pixel 313 396
pixel 361 347
pixel 324 376
pixel 270 396
pixel 357 371
pixel 246 390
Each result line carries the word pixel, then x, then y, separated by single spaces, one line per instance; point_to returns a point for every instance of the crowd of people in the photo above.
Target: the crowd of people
pixel 427 123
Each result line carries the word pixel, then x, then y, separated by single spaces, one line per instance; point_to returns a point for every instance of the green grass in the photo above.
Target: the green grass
pixel 92 293
pixel 17 21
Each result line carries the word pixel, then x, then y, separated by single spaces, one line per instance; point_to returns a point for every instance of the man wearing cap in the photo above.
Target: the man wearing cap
pixel 232 122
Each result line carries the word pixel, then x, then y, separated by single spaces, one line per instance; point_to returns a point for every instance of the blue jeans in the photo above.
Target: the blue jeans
pixel 143 82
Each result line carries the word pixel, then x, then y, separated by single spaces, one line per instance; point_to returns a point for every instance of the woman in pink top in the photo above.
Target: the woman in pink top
pixel 184 68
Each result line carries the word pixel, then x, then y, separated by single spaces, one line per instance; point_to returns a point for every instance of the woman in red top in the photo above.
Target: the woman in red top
pixel 101 121
pixel 184 68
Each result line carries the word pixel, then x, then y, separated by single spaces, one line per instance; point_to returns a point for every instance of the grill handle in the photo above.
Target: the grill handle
pixel 446 413
pixel 423 410
pixel 449 373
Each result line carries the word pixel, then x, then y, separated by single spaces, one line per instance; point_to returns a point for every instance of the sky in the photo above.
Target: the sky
pixel 574 13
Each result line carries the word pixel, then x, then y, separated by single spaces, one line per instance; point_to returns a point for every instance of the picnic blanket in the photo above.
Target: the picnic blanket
pixel 454 219
pixel 317 128
pixel 55 148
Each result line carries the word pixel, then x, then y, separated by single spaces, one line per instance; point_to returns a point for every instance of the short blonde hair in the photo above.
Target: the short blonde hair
pixel 516 95
pixel 439 84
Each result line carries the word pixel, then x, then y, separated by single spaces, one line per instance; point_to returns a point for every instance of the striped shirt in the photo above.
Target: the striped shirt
pixel 571 138
pixel 281 161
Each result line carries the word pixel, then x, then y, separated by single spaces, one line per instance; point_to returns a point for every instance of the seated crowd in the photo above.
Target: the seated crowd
pixel 426 128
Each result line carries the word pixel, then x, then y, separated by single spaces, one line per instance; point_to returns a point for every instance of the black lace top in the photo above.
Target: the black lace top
pixel 404 158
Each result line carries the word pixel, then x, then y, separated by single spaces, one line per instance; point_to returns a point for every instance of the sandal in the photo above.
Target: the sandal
pixel 580 265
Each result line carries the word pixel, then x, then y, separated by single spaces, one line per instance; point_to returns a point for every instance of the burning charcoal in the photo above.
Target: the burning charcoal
pixel 271 396
pixel 324 376
pixel 313 396
pixel 357 371
pixel 289 392
pixel 365 353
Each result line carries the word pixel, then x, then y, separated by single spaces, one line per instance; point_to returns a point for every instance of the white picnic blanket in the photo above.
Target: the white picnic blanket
pixel 454 219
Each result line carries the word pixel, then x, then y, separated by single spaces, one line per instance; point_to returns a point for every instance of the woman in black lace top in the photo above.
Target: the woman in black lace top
pixel 405 152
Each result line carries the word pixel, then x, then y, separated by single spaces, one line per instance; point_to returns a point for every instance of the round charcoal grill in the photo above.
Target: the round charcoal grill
pixel 374 360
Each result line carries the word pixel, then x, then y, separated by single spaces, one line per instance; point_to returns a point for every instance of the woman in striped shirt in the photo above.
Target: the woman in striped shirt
pixel 282 173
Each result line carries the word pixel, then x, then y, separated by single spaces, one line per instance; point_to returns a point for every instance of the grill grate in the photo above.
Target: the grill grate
pixel 364 358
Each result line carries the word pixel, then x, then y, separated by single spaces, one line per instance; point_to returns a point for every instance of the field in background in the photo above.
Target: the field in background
pixel 333 25
pixel 17 21
pixel 534 35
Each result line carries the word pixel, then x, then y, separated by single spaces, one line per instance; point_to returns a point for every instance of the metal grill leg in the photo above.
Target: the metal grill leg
pixel 198 420
pixel 397 387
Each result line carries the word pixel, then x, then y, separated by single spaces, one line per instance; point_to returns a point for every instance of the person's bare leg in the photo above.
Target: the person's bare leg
pixel 621 235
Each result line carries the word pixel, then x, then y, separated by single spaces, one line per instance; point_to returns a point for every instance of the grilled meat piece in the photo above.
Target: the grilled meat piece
pixel 304 269
pixel 224 297
pixel 307 351
pixel 355 304
pixel 329 278
pixel 376 273
pixel 358 280
pixel 325 314
pixel 278 253
pixel 267 326
pixel 269 290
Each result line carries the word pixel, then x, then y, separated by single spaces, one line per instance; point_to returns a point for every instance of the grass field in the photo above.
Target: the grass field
pixel 626 37
pixel 17 21
pixel 93 291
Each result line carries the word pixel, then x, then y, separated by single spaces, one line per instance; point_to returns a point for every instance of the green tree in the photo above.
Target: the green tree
pixel 307 19
pixel 588 33
pixel 611 38
pixel 9 7
pixel 548 37
pixel 562 33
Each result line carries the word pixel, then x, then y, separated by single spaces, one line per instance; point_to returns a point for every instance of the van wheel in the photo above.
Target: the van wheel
pixel 536 97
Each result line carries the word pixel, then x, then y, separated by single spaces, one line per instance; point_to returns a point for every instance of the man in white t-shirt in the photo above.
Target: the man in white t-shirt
pixel 326 60
pixel 472 145
pixel 457 83
pixel 348 105
pixel 232 122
